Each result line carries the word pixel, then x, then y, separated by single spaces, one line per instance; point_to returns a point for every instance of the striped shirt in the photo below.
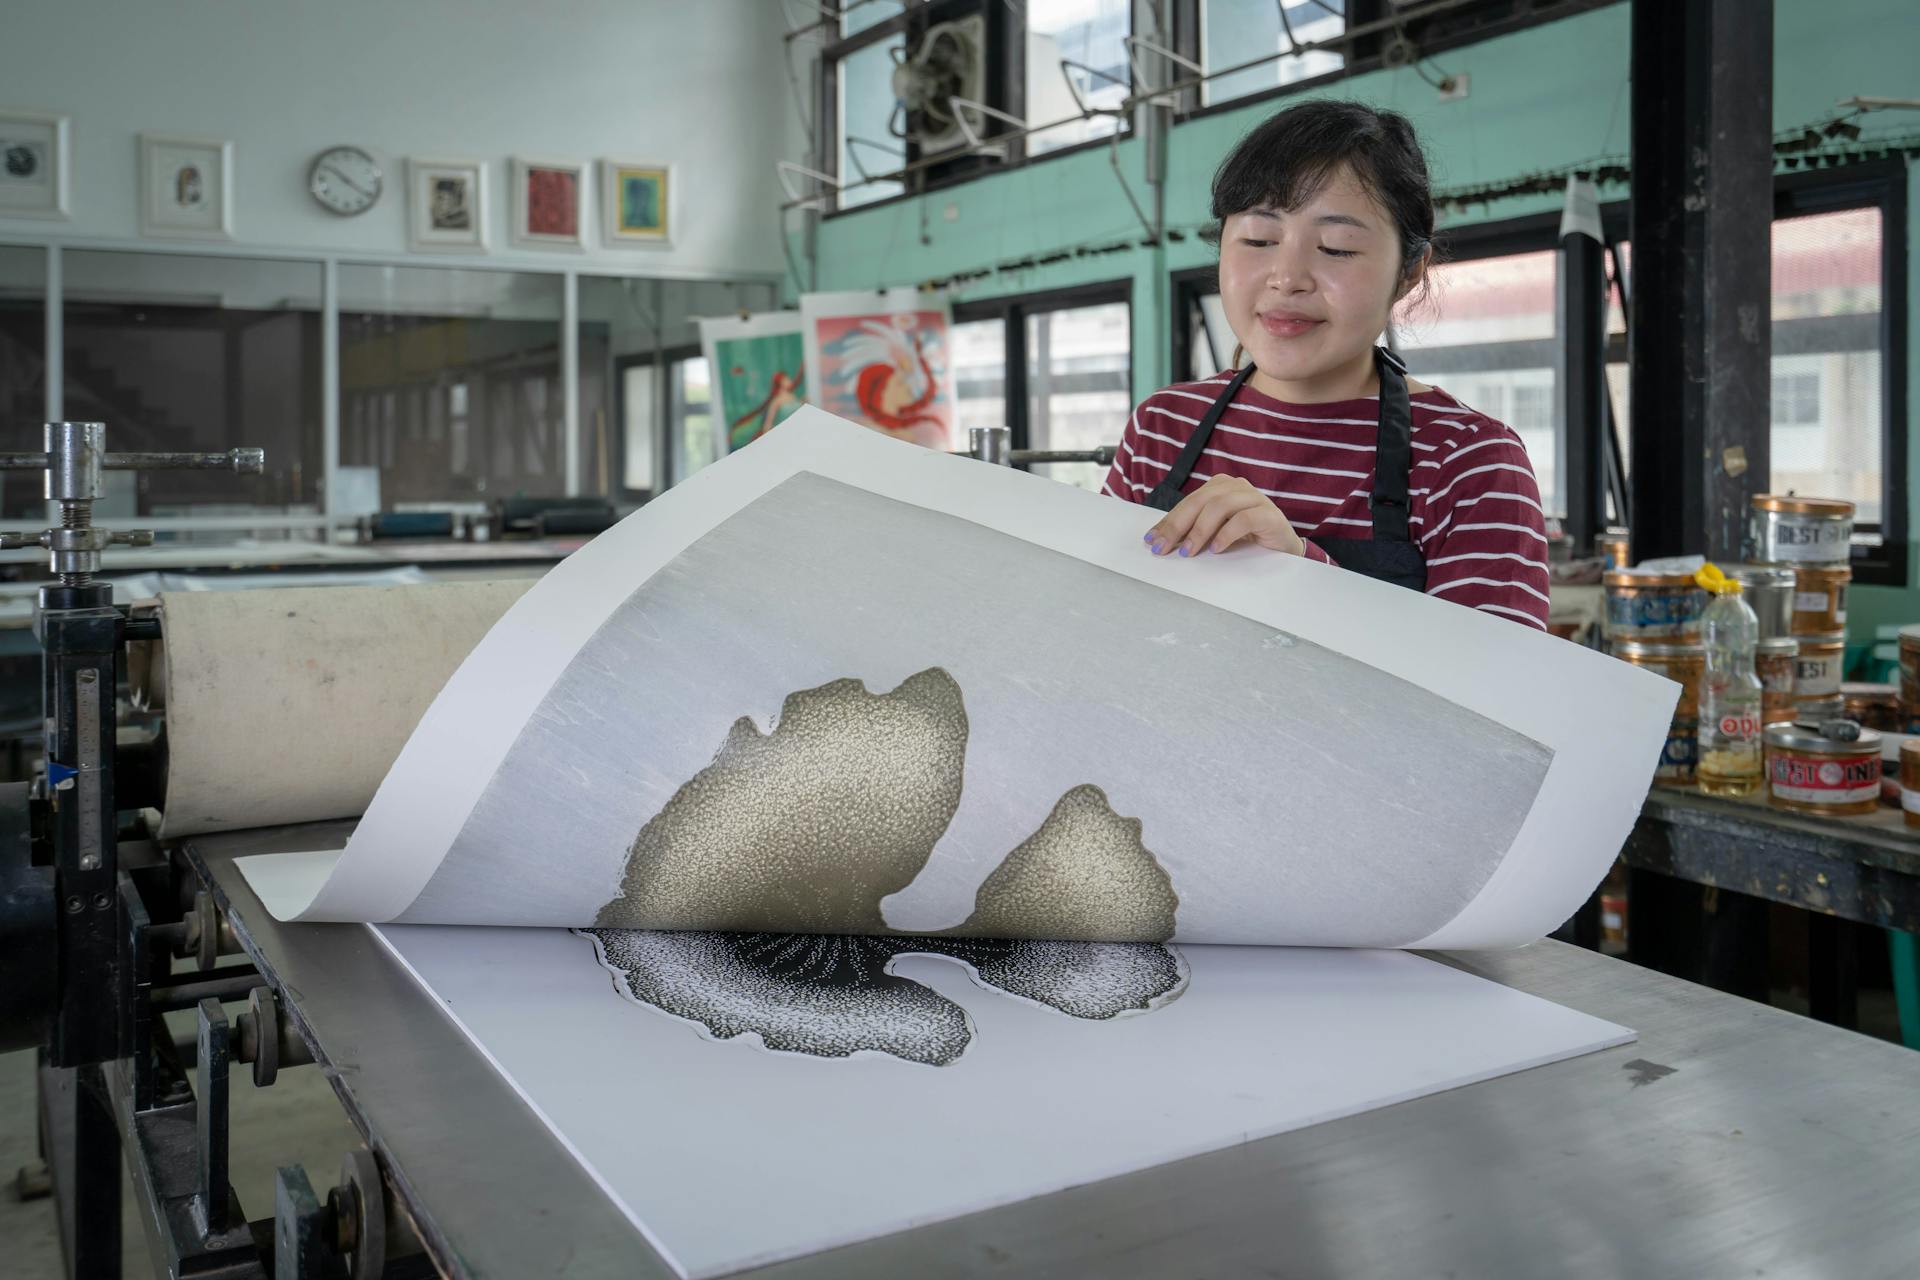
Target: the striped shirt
pixel 1474 506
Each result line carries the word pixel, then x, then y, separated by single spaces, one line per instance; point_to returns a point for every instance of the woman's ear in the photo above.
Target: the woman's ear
pixel 1415 276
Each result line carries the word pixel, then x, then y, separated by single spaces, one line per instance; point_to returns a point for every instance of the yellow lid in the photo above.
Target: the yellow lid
pixel 1710 577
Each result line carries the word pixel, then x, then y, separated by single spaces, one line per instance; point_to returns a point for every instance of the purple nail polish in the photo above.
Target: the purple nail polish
pixel 1185 552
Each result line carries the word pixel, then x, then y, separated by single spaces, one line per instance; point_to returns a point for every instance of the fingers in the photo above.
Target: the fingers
pixel 1175 528
pixel 1216 514
pixel 1243 524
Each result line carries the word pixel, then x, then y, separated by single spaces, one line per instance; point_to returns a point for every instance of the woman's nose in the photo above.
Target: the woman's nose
pixel 1290 271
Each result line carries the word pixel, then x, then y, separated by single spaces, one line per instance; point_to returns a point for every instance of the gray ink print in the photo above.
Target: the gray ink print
pixel 832 997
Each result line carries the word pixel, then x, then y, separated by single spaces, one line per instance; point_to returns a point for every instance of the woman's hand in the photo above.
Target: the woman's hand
pixel 1220 514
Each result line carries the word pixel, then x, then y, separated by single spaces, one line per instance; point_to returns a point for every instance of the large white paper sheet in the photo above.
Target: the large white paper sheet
pixel 1415 773
pixel 726 1155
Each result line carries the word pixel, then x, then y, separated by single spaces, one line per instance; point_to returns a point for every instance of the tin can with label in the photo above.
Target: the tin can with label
pixel 1683 663
pixel 1820 598
pixel 1874 706
pixel 1792 530
pixel 1773 662
pixel 1816 668
pixel 1809 773
pixel 1910 670
pixel 1614 550
pixel 1768 590
pixel 1653 606
pixel 1910 780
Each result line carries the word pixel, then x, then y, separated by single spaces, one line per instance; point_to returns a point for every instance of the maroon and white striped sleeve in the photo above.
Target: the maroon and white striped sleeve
pixel 1121 482
pixel 1481 526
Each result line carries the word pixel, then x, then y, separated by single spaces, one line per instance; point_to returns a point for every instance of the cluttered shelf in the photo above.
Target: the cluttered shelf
pixel 1862 867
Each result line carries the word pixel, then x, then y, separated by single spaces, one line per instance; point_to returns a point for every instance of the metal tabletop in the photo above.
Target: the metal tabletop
pixel 1732 1139
pixel 1864 868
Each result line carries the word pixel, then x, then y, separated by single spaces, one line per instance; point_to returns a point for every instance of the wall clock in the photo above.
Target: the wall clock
pixel 344 180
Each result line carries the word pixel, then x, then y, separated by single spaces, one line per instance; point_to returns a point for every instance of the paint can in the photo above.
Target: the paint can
pixel 1768 590
pixel 1773 662
pixel 1874 706
pixel 1614 548
pixel 1685 664
pixel 1810 773
pixel 1653 606
pixel 1793 530
pixel 1910 670
pixel 1817 666
pixel 1820 597
pixel 1910 780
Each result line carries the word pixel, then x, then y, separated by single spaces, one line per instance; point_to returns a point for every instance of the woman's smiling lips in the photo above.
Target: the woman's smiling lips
pixel 1286 324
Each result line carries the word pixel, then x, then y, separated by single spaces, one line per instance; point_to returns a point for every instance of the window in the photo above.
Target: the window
pixel 23 369
pixel 1056 368
pixel 1079 385
pixel 868 143
pixel 1487 334
pixel 450 383
pixel 1083 41
pixel 690 417
pixel 639 427
pixel 1828 409
pixel 980 374
pixel 1237 31
pixel 177 352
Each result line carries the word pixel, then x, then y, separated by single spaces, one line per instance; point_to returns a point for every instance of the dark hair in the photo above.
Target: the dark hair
pixel 1287 159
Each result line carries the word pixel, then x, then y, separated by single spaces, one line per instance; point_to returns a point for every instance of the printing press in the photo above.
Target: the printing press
pixel 1598 1165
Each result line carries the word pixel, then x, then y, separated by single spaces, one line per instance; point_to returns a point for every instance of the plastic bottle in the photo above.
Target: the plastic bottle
pixel 1730 692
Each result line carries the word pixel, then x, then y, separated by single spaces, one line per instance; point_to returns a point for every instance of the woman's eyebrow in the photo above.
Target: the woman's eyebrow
pixel 1341 220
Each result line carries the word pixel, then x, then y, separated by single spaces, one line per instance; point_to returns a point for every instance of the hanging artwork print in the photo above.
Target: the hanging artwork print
pixel 33 165
pixel 547 204
pixel 446 205
pixel 186 188
pixel 881 359
pixel 636 204
pixel 758 365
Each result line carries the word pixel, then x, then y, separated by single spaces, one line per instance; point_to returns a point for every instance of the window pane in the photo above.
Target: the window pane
pixel 1828 416
pixel 1078 394
pixel 695 446
pixel 200 353
pixel 638 421
pixel 1210 341
pixel 980 374
pixel 23 365
pixel 1237 31
pixel 1091 33
pixel 450 383
pixel 867 141
pixel 858 15
pixel 1486 335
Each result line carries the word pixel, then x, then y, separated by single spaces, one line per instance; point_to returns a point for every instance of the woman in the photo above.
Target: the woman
pixel 1319 445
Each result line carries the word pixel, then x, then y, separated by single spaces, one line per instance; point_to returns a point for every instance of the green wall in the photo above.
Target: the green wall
pixel 1542 98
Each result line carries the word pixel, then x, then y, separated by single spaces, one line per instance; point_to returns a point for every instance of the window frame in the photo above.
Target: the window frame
pixel 1882 185
pixel 1015 309
pixel 666 435
pixel 1006 86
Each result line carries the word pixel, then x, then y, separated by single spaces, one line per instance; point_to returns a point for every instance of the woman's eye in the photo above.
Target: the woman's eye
pixel 1255 244
pixel 1340 253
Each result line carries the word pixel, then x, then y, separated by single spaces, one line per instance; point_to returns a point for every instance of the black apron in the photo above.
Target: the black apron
pixel 1390 554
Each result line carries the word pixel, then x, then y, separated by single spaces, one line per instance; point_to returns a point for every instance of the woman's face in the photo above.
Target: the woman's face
pixel 1308 290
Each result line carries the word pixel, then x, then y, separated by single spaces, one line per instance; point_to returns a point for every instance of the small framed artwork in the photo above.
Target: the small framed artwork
pixel 447 205
pixel 636 203
pixel 186 188
pixel 548 209
pixel 33 165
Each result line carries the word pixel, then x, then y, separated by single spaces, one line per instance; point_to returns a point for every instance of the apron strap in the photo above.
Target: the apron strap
pixel 1392 450
pixel 1168 492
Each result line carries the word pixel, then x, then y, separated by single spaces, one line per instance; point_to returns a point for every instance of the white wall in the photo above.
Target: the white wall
pixel 698 83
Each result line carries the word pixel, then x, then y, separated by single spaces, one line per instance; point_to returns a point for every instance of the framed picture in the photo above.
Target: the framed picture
pixel 33 165
pixel 186 188
pixel 548 208
pixel 636 204
pixel 447 205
